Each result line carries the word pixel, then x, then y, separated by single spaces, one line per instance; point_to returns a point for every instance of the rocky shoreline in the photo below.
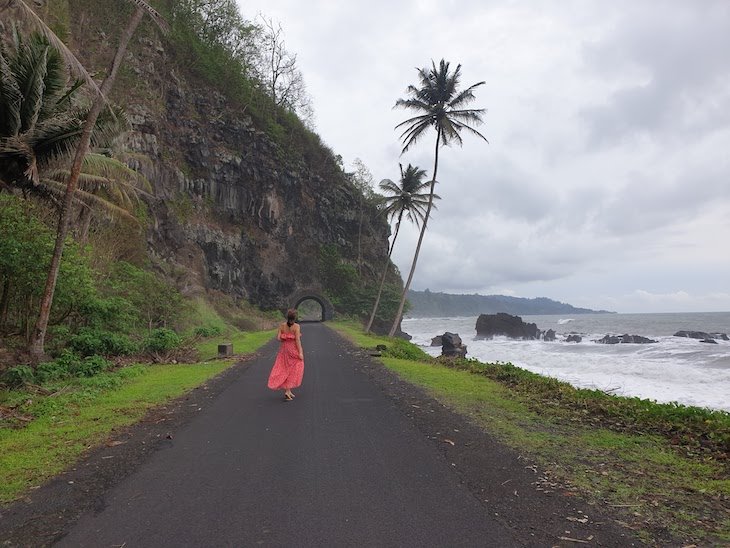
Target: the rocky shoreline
pixel 502 324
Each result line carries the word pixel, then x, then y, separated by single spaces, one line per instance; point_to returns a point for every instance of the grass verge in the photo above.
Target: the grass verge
pixel 661 467
pixel 65 419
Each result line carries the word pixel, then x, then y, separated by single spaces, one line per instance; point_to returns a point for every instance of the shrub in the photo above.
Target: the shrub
pixel 89 342
pixel 402 349
pixel 19 375
pixel 208 331
pixel 162 340
pixel 90 366
pixel 51 371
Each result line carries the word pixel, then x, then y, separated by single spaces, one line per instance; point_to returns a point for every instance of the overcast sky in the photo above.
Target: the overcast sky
pixel 606 180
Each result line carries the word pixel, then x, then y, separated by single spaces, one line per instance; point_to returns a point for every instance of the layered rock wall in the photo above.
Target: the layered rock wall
pixel 232 209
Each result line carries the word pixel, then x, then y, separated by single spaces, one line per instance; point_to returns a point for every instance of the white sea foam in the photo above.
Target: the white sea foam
pixel 564 321
pixel 675 369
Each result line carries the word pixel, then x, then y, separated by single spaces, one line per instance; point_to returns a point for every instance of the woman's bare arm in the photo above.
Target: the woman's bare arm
pixel 298 335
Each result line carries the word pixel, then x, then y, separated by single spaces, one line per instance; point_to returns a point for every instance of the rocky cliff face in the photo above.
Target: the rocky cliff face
pixel 234 211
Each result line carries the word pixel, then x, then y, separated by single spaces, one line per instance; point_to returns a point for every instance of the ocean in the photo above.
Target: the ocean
pixel 675 369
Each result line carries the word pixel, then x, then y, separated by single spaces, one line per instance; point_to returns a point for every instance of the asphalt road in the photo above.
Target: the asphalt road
pixel 338 466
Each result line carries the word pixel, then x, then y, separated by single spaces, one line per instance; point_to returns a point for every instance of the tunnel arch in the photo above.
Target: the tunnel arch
pixel 328 311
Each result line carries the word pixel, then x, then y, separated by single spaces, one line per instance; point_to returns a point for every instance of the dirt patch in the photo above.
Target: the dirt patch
pixel 46 513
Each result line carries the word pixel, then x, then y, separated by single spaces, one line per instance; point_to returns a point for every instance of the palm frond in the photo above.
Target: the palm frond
pixel 31 75
pixel 27 13
pixel 95 203
pixel 466 96
pixel 413 134
pixel 10 98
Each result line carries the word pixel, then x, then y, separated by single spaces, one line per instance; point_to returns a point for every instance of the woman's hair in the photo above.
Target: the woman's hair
pixel 291 316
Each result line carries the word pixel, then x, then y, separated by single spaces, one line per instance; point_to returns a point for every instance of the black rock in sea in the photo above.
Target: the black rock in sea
pixel 625 339
pixel 452 346
pixel 501 324
pixel 701 335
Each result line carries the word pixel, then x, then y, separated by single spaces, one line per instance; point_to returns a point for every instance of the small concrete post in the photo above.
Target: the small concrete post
pixel 225 350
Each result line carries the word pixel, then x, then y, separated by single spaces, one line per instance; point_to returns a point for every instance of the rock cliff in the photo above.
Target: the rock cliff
pixel 233 210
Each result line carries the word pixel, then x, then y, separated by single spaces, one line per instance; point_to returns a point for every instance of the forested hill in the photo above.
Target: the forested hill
pixel 426 304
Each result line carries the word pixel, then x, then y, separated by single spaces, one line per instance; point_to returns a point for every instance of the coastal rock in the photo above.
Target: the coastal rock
pixel 436 341
pixel 549 335
pixel 574 338
pixel 625 339
pixel 451 346
pixel 710 341
pixel 501 324
pixel 701 335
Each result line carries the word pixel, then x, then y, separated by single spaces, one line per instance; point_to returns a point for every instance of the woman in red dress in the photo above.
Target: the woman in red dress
pixel 289 365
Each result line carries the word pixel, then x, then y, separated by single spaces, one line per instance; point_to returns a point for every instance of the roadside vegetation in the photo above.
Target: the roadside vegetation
pixel 46 427
pixel 660 467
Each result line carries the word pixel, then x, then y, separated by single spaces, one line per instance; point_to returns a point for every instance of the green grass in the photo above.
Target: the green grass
pixel 83 413
pixel 243 343
pixel 618 452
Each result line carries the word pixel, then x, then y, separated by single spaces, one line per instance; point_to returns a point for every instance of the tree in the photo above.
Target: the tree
pixel 40 119
pixel 407 198
pixel 280 74
pixel 41 125
pixel 36 347
pixel 440 105
pixel 219 24
pixel 362 178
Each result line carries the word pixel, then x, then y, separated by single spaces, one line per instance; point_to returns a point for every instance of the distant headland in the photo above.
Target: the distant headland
pixel 430 304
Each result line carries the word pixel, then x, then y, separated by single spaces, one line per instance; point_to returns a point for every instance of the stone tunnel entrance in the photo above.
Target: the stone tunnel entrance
pixel 312 306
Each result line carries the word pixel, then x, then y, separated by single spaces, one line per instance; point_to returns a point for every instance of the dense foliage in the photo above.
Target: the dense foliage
pixel 112 310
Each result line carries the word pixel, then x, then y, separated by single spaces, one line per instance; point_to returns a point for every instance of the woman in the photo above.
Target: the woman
pixel 289 365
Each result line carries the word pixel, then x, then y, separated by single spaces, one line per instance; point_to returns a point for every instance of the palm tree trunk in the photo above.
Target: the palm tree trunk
pixel 399 314
pixel 36 347
pixel 385 273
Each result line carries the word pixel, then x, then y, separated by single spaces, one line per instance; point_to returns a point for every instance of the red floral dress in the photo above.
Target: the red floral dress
pixel 288 368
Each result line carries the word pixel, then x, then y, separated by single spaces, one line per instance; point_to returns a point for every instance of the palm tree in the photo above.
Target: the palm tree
pixel 26 13
pixel 36 347
pixel 407 198
pixel 40 122
pixel 40 127
pixel 440 104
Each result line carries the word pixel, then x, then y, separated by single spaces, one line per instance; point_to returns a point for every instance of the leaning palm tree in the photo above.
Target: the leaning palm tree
pixel 408 198
pixel 440 105
pixel 36 347
pixel 40 127
pixel 41 120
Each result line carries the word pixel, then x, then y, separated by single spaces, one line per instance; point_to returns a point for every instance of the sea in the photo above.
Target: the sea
pixel 674 369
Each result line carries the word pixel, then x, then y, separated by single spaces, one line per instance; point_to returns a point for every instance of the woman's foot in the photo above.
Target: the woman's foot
pixel 288 397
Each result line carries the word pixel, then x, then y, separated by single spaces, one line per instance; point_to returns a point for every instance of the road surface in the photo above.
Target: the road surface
pixel 338 466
